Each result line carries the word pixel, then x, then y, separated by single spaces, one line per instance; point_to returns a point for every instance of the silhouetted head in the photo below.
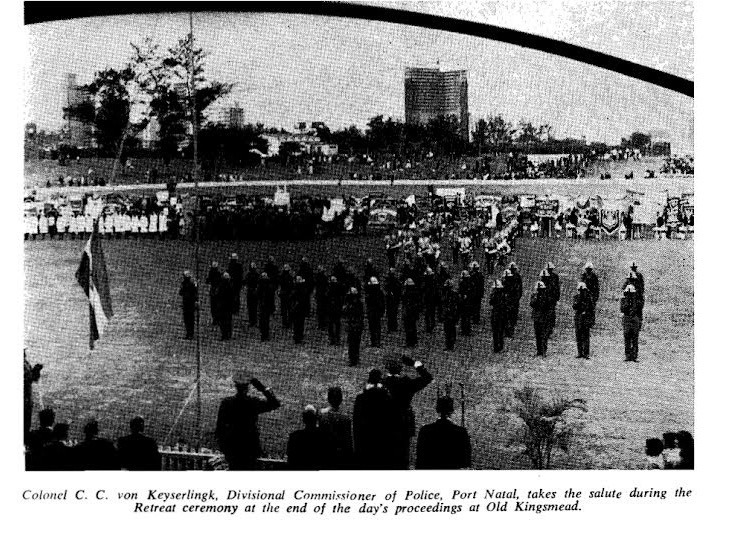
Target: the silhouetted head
pixel 60 432
pixel 136 425
pixel 653 447
pixel 669 440
pixel 91 429
pixel 444 406
pixel 47 417
pixel 334 396
pixel 375 376
pixel 309 416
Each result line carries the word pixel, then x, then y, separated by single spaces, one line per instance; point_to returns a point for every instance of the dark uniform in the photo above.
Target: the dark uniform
pixel 410 313
pixel 593 284
pixel 375 300
pixel 630 308
pixel 188 292
pixel 374 426
pixel 516 291
pixel 251 283
pixel 226 306
pixel 584 307
pixel 443 444
pixel 138 452
pixel 284 294
pixel 237 427
pixel 635 279
pixel 299 299
pixel 553 294
pixel 213 280
pixel 335 303
pixel 441 276
pixel 354 314
pixel 266 305
pixel 465 302
pixel 542 312
pixel 307 273
pixel 393 294
pixel 499 316
pixel 478 285
pixel 320 286
pixel 235 270
pixel 402 389
pixel 450 307
pixel 430 299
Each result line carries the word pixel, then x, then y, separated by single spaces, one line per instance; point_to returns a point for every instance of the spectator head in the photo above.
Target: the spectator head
pixel 333 279
pixel 653 447
pixel 241 379
pixel 136 425
pixel 271 260
pixel 670 440
pixel 60 432
pixel 409 282
pixel 685 440
pixel 234 256
pixel 375 376
pixel 47 417
pixel 394 367
pixel 309 416
pixel 588 266
pixel 91 429
pixel 264 276
pixel 334 396
pixel 253 265
pixel 299 279
pixel 286 267
pixel 226 275
pixel 214 265
pixel 187 275
pixel 353 291
pixel 444 406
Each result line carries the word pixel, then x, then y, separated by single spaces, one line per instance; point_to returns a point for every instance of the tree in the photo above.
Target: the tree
pixel 498 133
pixel 218 144
pixel 545 425
pixel 527 133
pixel 640 140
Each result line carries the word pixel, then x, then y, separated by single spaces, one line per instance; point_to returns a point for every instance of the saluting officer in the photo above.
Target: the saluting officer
pixel 584 307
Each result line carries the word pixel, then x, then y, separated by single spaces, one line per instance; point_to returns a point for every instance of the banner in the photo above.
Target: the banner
pixel 610 219
pixel 687 205
pixel 674 205
pixel 527 201
pixel 546 207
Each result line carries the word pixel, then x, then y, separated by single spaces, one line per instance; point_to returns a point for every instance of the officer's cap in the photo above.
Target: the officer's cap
pixel 187 274
pixel 581 285
pixel 512 265
pixel 507 272
pixel 374 281
pixel 588 265
pixel 550 265
pixel 234 256
pixel 629 289
pixel 632 274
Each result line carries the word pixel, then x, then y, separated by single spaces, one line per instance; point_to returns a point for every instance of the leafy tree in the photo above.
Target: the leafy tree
pixel 217 144
pixel 350 140
pixel 545 425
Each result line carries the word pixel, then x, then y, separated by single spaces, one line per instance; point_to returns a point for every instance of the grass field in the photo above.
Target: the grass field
pixel 144 366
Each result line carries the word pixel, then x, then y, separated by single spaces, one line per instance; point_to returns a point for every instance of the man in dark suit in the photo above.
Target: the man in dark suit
pixel 95 453
pixel 237 425
pixel 339 426
pixel 299 309
pixel 478 285
pixel 631 308
pixel 138 452
pixel 310 448
pixel 449 311
pixel 375 426
pixel 39 437
pixel 56 455
pixel 443 444
pixel 402 389
pixel 393 293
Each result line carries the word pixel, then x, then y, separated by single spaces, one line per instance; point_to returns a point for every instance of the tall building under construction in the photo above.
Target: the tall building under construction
pixel 430 93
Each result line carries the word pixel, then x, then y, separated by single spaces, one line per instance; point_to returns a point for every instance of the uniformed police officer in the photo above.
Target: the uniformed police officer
pixel 630 308
pixel 450 305
pixel 541 305
pixel 430 298
pixel 286 281
pixel 553 291
pixel 584 307
pixel 499 314
pixel 375 299
pixel 410 312
pixel 225 304
pixel 266 304
pixel 593 284
pixel 465 301
pixel 335 303
pixel 478 284
pixel 354 315
pixel 393 294
pixel 188 292
pixel 235 269
pixel 320 287
pixel 299 298
pixel 251 283
pixel 514 299
pixel 213 280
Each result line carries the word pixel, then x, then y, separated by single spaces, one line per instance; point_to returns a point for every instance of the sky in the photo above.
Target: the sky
pixel 292 68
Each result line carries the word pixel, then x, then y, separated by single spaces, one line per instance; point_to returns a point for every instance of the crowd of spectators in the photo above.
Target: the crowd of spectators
pixel 674 451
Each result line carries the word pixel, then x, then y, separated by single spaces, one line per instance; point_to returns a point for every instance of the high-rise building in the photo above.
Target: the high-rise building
pixel 78 133
pixel 430 93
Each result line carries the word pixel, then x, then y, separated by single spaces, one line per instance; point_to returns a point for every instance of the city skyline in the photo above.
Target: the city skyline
pixel 343 72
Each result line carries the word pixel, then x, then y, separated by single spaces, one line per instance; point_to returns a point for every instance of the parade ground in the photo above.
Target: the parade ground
pixel 143 366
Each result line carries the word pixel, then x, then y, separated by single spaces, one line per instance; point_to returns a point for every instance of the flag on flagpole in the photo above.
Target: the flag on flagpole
pixel 94 280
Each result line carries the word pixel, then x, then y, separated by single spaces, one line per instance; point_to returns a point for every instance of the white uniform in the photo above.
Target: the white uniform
pixel 143 224
pixel 31 224
pixel 61 223
pixel 43 225
pixel 162 221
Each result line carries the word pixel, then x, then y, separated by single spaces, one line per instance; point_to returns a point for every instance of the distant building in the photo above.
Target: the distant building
pixel 430 93
pixel 150 135
pixel 232 117
pixel 77 133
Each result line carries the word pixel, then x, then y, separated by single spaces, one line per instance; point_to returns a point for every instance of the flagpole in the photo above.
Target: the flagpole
pixel 193 108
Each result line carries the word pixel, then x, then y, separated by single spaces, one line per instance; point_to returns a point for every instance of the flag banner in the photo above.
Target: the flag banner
pixel 687 204
pixel 94 280
pixel 547 207
pixel 610 220
pixel 673 205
